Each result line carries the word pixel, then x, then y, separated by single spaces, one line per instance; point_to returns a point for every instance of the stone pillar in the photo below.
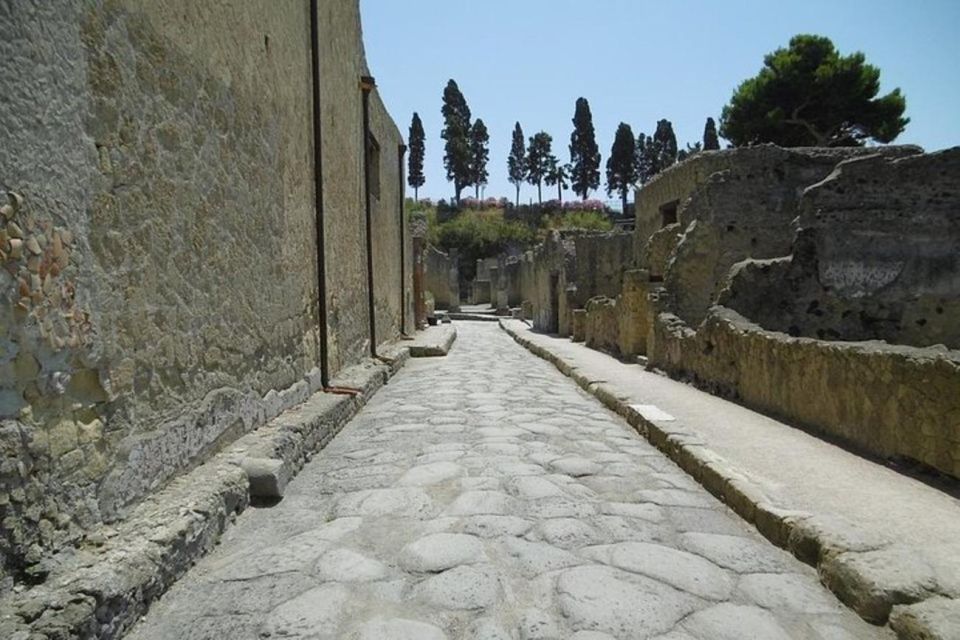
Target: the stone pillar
pixel 579 325
pixel 633 313
pixel 454 281
pixel 419 300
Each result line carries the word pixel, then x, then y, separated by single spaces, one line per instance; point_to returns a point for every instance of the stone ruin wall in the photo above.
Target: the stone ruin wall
pixel 162 295
pixel 884 266
pixel 745 210
pixel 849 245
pixel 442 279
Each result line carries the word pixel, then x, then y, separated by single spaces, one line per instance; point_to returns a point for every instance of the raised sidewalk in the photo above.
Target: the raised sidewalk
pixel 888 545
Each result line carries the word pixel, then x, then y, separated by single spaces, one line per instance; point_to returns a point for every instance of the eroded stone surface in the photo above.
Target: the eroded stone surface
pixel 402 529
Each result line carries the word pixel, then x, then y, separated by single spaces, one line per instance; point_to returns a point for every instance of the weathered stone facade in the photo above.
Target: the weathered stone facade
pixel 767 275
pixel 442 279
pixel 160 282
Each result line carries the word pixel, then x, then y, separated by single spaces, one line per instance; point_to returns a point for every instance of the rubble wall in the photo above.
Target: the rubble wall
pixel 875 259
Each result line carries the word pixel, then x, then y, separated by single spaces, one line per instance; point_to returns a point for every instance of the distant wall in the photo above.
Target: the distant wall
pixel 442 278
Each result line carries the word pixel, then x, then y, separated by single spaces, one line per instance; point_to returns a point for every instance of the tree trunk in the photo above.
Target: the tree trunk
pixel 539 195
pixel 560 192
pixel 476 191
pixel 623 201
pixel 416 198
pixel 518 194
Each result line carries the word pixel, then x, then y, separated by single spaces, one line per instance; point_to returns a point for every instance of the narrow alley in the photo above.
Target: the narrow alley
pixel 485 496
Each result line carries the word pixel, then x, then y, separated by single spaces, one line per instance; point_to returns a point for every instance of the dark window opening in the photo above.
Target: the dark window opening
pixel 373 165
pixel 668 213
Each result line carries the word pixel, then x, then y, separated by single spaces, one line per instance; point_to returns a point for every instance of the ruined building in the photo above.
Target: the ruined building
pixel 820 286
pixel 204 226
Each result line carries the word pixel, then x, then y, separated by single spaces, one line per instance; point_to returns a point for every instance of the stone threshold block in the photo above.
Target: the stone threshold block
pixel 884 543
pixel 433 341
pixel 102 588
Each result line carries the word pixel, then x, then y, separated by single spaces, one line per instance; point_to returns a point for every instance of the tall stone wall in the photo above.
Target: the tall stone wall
pixel 392 267
pixel 159 290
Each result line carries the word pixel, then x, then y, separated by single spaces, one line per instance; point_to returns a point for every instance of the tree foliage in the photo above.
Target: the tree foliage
pixel 646 158
pixel 558 174
pixel 415 177
pixel 689 152
pixel 517 160
pixel 710 140
pixel 622 163
pixel 584 152
pixel 456 132
pixel 665 145
pixel 538 160
pixel 809 95
pixel 479 154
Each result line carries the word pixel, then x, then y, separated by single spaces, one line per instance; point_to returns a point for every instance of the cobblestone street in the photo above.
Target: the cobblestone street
pixel 485 496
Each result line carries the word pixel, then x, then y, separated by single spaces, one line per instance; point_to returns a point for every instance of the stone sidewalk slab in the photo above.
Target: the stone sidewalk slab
pixel 882 541
pixel 433 341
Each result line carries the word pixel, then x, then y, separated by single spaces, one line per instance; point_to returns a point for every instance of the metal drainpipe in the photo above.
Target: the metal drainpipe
pixel 318 192
pixel 402 150
pixel 367 84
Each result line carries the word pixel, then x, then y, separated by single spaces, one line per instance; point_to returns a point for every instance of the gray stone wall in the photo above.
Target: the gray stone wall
pixel 600 260
pixel 746 210
pixel 159 294
pixel 442 280
pixel 875 257
pixel 389 224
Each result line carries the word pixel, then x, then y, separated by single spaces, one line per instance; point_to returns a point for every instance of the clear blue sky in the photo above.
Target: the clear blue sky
pixel 637 61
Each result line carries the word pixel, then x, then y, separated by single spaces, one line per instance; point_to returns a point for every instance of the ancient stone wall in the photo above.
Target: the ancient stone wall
pixel 602 329
pixel 159 290
pixel 893 401
pixel 540 278
pixel 875 259
pixel 392 267
pixel 745 211
pixel 442 278
pixel 600 260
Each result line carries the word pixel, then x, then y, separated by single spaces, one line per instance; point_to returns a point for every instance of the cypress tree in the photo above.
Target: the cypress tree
pixel 665 143
pixel 710 140
pixel 479 154
pixel 456 131
pixel 622 164
pixel 584 153
pixel 538 160
pixel 517 160
pixel 415 176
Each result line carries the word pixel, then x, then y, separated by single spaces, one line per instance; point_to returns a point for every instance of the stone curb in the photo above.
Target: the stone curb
pixel 473 317
pixel 914 612
pixel 103 589
pixel 435 345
